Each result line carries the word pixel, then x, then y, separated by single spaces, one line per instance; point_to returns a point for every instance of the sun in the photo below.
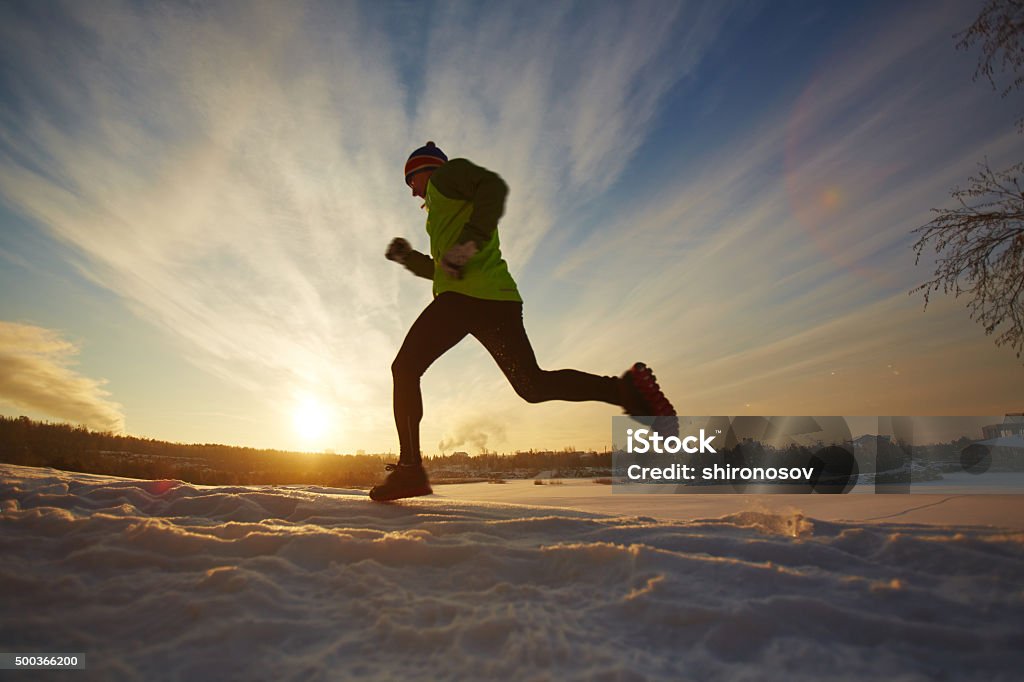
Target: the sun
pixel 310 418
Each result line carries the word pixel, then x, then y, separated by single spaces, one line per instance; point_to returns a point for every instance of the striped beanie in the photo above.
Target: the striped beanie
pixel 426 157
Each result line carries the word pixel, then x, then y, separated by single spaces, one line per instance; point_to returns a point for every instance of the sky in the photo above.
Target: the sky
pixel 195 200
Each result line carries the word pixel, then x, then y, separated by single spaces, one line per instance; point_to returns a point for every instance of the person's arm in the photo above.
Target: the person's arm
pixel 462 179
pixel 420 264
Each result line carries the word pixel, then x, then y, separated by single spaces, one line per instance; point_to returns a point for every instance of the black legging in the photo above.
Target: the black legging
pixel 498 325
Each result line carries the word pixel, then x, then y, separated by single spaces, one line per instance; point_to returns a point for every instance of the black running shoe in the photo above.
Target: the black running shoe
pixel 405 480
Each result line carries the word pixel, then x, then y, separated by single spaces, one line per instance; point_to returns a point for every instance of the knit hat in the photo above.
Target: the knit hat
pixel 426 157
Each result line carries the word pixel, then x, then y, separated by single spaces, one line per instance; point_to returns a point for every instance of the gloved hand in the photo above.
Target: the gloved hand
pixel 456 258
pixel 398 250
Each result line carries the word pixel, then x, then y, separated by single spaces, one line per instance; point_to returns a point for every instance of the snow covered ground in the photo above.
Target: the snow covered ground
pixel 166 581
pixel 946 502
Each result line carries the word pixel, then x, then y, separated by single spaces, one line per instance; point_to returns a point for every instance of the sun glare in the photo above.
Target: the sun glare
pixel 310 418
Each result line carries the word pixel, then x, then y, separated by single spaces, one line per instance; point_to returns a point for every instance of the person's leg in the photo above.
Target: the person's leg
pixel 499 327
pixel 441 325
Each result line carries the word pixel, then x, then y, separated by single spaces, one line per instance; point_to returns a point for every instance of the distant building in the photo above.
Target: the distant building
pixel 867 441
pixel 1013 425
pixel 1004 443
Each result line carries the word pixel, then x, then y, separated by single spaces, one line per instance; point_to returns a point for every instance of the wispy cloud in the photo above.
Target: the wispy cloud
pixel 771 273
pixel 558 98
pixel 224 174
pixel 36 374
pixel 234 172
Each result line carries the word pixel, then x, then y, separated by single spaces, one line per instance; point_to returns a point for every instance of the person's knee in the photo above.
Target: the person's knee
pixel 530 392
pixel 402 369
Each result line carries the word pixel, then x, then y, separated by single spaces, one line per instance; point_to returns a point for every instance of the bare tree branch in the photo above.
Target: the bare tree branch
pixel 980 245
pixel 998 28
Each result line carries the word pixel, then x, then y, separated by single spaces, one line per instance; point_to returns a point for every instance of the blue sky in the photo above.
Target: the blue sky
pixel 194 203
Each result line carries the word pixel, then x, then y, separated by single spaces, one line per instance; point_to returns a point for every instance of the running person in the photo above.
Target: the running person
pixel 475 294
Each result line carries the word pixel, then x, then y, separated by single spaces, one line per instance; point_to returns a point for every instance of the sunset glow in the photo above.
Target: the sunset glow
pixel 311 419
pixel 191 226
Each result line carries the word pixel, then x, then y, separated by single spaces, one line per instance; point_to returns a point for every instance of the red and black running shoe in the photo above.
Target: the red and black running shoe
pixel 642 397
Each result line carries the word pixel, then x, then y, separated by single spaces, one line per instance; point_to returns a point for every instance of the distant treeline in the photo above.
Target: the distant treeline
pixel 532 462
pixel 76 448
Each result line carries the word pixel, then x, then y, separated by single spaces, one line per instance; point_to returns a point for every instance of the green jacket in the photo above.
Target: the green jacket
pixel 464 203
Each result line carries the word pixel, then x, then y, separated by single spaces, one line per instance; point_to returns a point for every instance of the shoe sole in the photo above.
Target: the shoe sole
pixel 414 492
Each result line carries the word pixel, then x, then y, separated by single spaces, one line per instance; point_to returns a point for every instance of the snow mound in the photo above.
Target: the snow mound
pixel 164 580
